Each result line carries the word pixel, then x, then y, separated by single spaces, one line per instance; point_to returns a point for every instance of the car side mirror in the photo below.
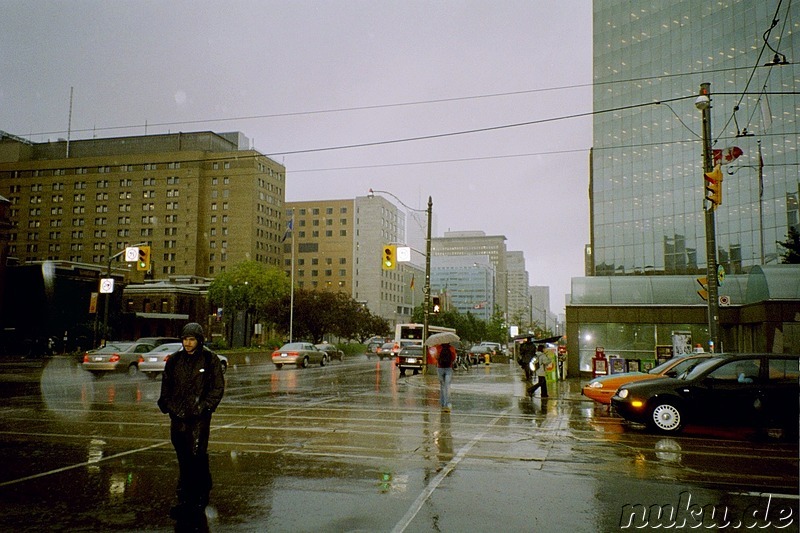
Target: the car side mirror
pixel 672 374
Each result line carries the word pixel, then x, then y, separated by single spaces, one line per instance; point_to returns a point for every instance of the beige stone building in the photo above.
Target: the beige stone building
pixel 203 201
pixel 337 247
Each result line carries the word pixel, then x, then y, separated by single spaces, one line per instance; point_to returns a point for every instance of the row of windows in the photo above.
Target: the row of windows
pixel 315 273
pixel 314 261
pixel 100 184
pixel 315 211
pixel 103 169
pixel 315 233
pixel 328 222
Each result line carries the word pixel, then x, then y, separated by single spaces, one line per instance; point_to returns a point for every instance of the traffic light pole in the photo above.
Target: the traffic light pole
pixel 108 295
pixel 703 103
pixel 427 287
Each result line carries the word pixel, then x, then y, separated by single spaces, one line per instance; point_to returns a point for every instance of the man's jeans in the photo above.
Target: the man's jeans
pixel 445 377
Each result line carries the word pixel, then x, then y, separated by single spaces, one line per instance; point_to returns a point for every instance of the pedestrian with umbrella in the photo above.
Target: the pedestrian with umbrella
pixel 445 354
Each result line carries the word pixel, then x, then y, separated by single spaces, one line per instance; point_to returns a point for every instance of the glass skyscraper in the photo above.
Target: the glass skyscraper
pixel 647 184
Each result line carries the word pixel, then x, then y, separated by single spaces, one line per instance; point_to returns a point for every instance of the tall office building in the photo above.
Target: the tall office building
pixel 203 201
pixel 337 247
pixel 519 302
pixel 478 243
pixel 467 281
pixel 647 183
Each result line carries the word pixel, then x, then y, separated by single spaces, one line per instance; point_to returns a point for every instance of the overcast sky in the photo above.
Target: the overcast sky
pixel 305 81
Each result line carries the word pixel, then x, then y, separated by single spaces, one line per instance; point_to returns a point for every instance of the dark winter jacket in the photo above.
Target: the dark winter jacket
pixel 192 385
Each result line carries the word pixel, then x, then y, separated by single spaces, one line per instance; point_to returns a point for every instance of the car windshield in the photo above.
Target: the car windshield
pixel 658 370
pixel 701 368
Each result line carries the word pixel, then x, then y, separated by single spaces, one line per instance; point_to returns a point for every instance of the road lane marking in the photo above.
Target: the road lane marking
pixel 434 483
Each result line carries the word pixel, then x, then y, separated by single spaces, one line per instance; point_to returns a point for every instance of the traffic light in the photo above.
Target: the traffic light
pixel 389 261
pixel 703 292
pixel 437 307
pixel 143 263
pixel 713 181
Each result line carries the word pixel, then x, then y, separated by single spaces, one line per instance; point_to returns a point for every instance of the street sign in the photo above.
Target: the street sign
pixel 403 254
pixel 106 285
pixel 131 254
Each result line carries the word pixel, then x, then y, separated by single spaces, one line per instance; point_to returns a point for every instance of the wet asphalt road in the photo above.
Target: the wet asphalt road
pixel 354 447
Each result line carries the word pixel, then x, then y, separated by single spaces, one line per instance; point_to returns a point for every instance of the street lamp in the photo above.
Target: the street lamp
pixel 427 287
pixel 703 103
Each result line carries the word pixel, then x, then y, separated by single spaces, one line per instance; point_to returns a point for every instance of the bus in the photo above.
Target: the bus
pixel 412 333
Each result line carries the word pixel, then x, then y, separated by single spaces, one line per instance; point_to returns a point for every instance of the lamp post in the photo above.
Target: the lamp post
pixel 703 103
pixel 427 287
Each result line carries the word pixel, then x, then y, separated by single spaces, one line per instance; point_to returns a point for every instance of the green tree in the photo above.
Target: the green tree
pixel 250 286
pixel 791 247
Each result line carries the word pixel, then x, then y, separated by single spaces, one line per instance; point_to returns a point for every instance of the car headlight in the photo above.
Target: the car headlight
pixel 595 385
pixel 622 393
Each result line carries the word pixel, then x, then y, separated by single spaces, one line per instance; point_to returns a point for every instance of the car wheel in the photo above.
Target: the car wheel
pixel 133 370
pixel 324 360
pixel 304 362
pixel 278 366
pixel 666 417
pixel 224 366
pixel 416 371
pixel 153 375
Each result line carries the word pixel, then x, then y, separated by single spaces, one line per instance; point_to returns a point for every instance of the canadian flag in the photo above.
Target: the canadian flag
pixel 728 155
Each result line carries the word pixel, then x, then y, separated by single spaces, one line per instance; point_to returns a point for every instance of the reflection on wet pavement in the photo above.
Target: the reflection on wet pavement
pixel 355 447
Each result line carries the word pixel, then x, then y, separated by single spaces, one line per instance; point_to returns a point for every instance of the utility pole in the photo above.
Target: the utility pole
pixel 703 103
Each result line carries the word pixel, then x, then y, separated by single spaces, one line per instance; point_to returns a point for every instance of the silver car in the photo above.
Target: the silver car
pixel 300 354
pixel 116 356
pixel 152 363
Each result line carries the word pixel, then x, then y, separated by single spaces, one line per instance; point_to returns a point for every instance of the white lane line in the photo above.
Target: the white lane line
pixel 434 483
pixel 235 424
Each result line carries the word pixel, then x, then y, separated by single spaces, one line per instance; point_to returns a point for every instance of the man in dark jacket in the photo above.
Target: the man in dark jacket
pixel 191 388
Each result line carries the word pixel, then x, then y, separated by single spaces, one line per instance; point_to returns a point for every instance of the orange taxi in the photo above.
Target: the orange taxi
pixel 602 388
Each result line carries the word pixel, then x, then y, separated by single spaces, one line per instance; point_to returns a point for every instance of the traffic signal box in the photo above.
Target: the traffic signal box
pixel 389 259
pixel 143 264
pixel 713 182
pixel 437 304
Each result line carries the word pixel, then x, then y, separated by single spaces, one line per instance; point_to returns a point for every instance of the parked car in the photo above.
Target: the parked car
pixel 602 388
pixel 300 354
pixel 410 357
pixel 758 390
pixel 332 351
pixel 153 362
pixel 116 356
